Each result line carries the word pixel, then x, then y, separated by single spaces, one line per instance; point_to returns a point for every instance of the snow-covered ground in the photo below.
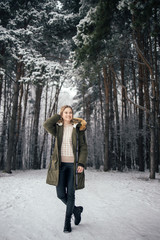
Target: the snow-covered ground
pixel 116 206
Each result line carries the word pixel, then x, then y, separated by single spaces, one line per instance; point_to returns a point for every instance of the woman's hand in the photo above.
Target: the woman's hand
pixel 80 169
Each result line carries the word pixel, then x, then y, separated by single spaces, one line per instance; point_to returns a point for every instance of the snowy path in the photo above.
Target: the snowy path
pixel 116 206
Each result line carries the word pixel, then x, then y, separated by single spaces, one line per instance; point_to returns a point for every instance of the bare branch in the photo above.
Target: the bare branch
pixel 144 60
pixel 132 60
pixel 126 94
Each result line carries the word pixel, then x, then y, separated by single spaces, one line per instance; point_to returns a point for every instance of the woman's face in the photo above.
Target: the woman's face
pixel 67 115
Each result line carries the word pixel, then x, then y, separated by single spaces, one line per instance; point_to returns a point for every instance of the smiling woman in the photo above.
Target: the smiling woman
pixel 67 114
pixel 66 170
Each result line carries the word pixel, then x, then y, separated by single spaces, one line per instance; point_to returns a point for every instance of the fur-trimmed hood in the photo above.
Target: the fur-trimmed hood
pixel 82 122
pixel 76 122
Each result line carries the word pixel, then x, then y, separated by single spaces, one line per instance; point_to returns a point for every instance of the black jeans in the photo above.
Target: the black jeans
pixel 65 188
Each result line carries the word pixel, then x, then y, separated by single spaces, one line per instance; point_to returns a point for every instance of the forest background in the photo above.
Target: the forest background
pixel 107 51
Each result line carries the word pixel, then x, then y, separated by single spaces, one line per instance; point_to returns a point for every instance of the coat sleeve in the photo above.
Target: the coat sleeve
pixel 82 149
pixel 50 124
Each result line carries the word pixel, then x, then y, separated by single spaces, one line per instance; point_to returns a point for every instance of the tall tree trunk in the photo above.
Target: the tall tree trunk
pixel 17 160
pixel 141 77
pixel 42 151
pixel 12 127
pixel 157 79
pixel 152 127
pixel 124 107
pixel 95 154
pixel 141 115
pixel 21 143
pixel 147 104
pixel 135 87
pixel 118 150
pixel 112 157
pixel 89 131
pixel 4 129
pixel 2 53
pixel 157 106
pixel 106 86
pixel 102 112
pixel 36 148
pixel 152 149
pixel 124 114
pixel 1 84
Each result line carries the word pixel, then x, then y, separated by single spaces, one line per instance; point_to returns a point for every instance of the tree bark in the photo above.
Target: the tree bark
pixel 4 129
pixel 89 130
pixel 1 84
pixel 106 85
pixel 157 105
pixel 135 87
pixel 2 53
pixel 124 115
pixel 36 148
pixel 17 159
pixel 12 127
pixel 152 146
pixel 124 107
pixel 102 113
pixel 112 157
pixel 118 150
pixel 141 115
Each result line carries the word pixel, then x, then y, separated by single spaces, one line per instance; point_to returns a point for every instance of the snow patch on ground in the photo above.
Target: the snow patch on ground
pixel 116 206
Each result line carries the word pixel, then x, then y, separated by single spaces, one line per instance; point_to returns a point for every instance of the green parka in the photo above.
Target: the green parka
pixel 54 125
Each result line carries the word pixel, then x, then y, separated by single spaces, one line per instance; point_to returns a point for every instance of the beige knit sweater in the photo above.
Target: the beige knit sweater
pixel 66 148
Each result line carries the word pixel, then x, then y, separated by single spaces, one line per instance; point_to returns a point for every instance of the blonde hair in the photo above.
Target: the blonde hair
pixel 63 108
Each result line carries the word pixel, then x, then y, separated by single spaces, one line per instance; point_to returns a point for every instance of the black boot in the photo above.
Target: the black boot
pixel 67 225
pixel 77 214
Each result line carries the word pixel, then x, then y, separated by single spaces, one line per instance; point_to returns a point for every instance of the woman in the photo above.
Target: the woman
pixel 66 170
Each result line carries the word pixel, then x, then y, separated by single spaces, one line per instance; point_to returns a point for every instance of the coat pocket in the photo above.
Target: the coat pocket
pixel 81 180
pixel 54 164
pixel 54 161
pixel 53 170
pixel 52 177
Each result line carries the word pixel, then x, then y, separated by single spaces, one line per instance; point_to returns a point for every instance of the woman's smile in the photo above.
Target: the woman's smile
pixel 67 115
